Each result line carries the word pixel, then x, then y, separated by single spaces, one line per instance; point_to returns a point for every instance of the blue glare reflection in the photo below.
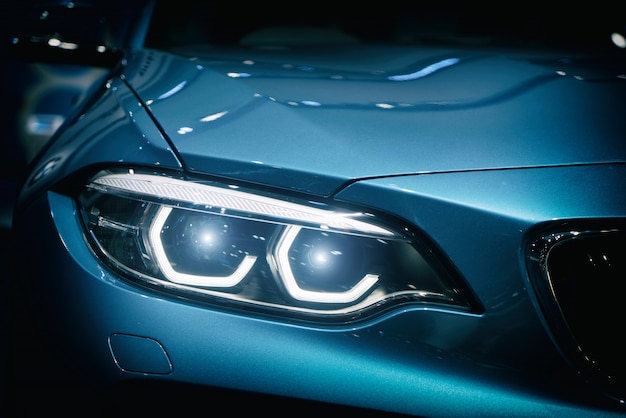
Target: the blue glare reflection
pixel 425 71
pixel 173 91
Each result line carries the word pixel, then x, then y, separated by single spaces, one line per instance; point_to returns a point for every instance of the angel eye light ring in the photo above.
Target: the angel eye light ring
pixel 280 256
pixel 227 199
pixel 191 279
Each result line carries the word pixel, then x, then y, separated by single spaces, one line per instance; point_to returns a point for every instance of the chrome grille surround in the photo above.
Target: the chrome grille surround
pixel 579 275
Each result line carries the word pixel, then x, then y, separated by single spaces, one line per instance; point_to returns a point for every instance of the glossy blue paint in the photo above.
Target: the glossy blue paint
pixel 531 195
pixel 484 111
pixel 497 210
pixel 116 130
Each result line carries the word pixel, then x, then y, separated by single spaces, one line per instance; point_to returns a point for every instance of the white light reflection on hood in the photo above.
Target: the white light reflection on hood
pixel 214 116
pixel 425 71
pixel 173 91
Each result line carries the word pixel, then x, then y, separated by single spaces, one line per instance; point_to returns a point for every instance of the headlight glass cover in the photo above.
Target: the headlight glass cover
pixel 236 247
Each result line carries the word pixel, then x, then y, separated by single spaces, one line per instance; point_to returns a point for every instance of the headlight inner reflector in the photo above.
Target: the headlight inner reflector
pixel 228 246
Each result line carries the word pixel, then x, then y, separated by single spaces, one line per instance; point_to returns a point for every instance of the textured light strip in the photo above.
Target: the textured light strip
pixel 202 194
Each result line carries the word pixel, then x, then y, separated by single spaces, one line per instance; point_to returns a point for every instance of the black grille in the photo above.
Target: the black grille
pixel 582 285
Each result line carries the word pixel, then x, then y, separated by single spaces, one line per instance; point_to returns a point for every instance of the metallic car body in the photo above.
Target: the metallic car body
pixel 481 153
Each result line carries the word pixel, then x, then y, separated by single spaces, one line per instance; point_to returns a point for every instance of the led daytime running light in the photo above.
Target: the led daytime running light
pixel 291 285
pixel 203 194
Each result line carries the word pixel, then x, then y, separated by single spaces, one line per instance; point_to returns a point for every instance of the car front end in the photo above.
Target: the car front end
pixel 421 231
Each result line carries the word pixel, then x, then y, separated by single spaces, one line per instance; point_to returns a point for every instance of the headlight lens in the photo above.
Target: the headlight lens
pixel 225 245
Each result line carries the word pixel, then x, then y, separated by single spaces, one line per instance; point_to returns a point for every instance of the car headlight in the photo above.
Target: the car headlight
pixel 224 245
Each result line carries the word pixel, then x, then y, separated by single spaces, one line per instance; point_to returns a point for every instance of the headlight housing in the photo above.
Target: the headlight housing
pixel 226 245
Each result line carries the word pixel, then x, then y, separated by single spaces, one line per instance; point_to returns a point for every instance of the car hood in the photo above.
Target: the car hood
pixel 362 112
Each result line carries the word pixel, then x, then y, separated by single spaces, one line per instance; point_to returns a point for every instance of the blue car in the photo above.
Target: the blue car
pixel 416 212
